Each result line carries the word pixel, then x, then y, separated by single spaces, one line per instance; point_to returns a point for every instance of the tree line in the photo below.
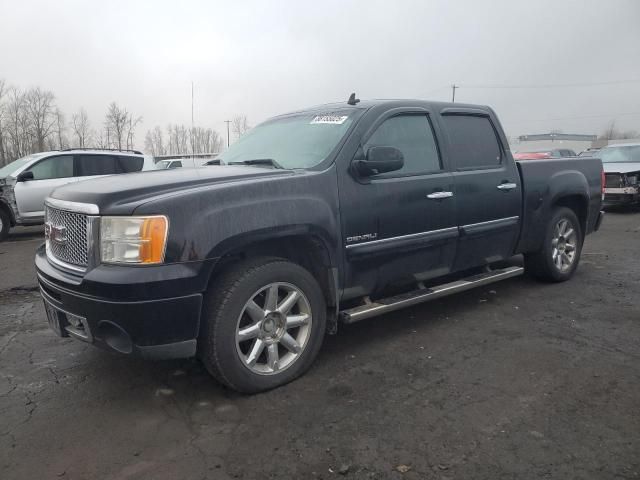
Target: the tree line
pixel 179 139
pixel 31 122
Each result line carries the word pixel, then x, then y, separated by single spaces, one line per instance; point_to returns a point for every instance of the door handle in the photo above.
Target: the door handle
pixel 507 186
pixel 439 195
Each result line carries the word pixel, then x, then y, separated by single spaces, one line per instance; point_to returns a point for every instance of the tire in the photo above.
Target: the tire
pixel 231 327
pixel 5 225
pixel 554 264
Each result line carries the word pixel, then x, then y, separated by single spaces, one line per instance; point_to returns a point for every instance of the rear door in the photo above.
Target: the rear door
pixel 487 186
pixel 97 165
pixel 399 226
pixel 48 174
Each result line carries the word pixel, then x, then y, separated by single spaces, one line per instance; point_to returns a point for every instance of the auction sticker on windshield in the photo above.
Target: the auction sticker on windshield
pixel 331 119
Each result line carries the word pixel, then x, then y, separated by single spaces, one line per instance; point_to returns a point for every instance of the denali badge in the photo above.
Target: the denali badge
pixel 55 234
pixel 362 238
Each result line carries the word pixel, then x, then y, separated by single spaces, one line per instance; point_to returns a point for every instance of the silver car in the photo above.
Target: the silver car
pixel 26 182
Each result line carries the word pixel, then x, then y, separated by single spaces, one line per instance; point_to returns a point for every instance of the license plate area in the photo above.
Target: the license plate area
pixel 66 324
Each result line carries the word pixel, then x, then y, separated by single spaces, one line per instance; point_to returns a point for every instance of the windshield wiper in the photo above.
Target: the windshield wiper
pixel 259 161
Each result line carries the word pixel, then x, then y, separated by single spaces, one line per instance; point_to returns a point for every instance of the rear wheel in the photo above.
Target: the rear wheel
pixel 5 225
pixel 559 256
pixel 263 324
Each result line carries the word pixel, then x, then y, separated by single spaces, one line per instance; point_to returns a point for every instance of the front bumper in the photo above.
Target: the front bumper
pixel 621 196
pixel 114 308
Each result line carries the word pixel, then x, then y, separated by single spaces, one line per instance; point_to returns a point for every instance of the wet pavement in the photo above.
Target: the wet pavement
pixel 515 380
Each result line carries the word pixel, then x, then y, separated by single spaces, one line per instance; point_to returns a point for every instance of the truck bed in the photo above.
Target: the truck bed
pixel 544 181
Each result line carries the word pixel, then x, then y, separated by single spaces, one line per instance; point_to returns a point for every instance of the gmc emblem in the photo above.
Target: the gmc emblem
pixel 55 233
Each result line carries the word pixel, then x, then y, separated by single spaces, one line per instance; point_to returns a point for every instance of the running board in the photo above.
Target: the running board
pixel 385 305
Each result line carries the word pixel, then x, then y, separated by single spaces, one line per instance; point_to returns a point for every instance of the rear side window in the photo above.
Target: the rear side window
pixel 107 165
pixel 413 136
pixel 474 143
pixel 53 167
pixel 129 164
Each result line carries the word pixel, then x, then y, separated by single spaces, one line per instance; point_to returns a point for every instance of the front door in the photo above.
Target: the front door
pixel 48 174
pixel 488 189
pixel 399 227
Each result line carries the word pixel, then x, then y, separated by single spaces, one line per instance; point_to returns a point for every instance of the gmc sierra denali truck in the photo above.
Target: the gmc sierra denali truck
pixel 327 215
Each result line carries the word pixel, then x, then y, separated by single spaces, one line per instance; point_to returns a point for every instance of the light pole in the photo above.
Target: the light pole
pixel 227 122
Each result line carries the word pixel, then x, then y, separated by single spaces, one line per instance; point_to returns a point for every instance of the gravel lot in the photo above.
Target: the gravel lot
pixel 516 380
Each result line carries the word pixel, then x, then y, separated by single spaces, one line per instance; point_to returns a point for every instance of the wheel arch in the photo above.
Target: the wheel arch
pixel 4 206
pixel 579 204
pixel 302 245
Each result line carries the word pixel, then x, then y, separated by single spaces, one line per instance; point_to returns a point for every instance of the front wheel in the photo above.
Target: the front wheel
pixel 262 325
pixel 559 256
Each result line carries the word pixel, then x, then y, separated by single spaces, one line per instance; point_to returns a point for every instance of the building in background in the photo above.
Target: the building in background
pixel 572 141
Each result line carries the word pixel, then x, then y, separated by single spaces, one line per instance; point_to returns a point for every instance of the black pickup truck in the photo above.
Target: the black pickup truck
pixel 334 213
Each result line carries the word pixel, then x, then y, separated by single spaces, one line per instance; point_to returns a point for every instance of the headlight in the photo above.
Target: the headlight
pixel 137 240
pixel 632 180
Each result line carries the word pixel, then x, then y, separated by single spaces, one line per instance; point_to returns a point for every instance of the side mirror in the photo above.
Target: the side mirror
pixel 379 160
pixel 25 176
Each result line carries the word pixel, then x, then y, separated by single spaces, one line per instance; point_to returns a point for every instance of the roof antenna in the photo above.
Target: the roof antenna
pixel 352 99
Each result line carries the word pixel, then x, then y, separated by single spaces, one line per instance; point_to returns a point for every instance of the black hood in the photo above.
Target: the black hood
pixel 130 190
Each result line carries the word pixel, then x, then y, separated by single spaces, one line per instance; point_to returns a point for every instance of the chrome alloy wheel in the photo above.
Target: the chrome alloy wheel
pixel 564 245
pixel 273 328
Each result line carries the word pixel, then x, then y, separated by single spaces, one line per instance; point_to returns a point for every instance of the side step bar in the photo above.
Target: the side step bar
pixel 385 305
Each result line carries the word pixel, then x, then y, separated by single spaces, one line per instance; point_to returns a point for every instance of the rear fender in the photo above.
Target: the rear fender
pixel 540 202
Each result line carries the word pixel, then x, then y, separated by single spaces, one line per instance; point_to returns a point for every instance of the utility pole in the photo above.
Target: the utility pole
pixel 453 92
pixel 227 122
pixel 193 150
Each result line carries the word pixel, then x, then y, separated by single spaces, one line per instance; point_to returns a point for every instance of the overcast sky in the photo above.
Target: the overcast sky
pixel 261 58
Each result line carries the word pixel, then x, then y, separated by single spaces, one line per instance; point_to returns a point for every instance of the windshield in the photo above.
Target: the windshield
pixel 16 164
pixel 295 141
pixel 629 153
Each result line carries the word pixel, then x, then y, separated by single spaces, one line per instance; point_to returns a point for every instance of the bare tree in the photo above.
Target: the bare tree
pixel 19 131
pixel 131 130
pixel 116 123
pixel 61 130
pixel 612 133
pixel 178 139
pixel 120 127
pixel 154 142
pixel 42 114
pixel 182 140
pixel 205 140
pixel 240 125
pixel 101 138
pixel 81 128
pixel 3 92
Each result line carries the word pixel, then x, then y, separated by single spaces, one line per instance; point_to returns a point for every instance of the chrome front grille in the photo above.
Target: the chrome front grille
pixel 67 236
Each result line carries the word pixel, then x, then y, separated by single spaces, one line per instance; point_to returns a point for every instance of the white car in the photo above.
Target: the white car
pixel 26 182
pixel 621 163
pixel 185 162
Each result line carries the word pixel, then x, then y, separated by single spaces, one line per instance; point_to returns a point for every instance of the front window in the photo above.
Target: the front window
pixel 295 141
pixel 628 153
pixel 53 167
pixel 11 168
